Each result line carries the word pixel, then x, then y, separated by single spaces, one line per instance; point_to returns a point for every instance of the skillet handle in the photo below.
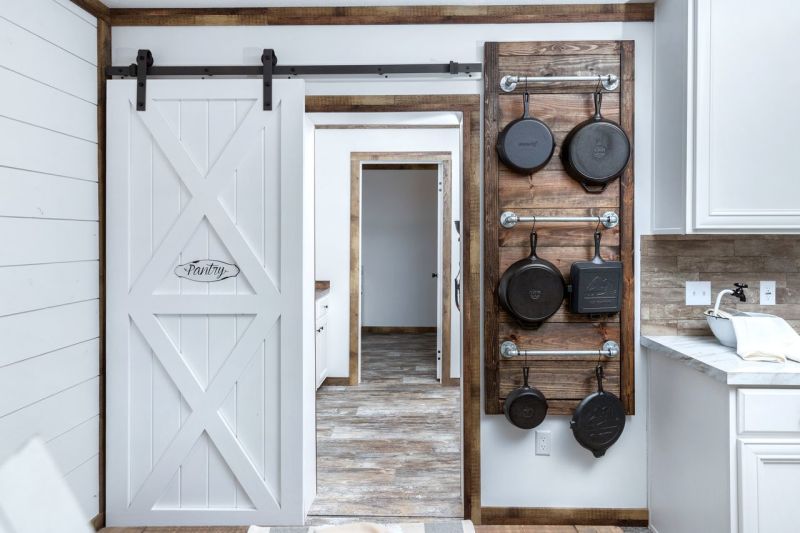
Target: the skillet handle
pixel 598 372
pixel 594 189
pixel 534 240
pixel 598 102
pixel 525 105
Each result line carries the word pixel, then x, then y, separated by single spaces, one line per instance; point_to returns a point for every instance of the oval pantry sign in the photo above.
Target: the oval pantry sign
pixel 206 270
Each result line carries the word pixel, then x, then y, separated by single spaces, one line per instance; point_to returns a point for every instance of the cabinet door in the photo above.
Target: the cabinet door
pixel 745 165
pixel 769 475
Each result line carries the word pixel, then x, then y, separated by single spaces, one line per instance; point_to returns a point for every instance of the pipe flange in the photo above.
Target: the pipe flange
pixel 508 219
pixel 507 84
pixel 611 349
pixel 609 219
pixel 508 349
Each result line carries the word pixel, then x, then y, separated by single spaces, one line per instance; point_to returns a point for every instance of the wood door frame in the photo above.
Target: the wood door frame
pixel 469 105
pixel 431 160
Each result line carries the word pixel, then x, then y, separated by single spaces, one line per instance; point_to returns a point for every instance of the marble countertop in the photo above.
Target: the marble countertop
pixel 708 356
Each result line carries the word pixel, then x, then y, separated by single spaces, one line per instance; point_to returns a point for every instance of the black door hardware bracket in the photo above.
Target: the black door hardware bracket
pixel 144 60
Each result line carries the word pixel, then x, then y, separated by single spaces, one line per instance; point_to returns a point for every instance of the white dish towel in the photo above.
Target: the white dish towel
pixel 765 338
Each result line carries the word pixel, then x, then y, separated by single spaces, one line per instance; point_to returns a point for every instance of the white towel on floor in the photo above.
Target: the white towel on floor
pixel 765 338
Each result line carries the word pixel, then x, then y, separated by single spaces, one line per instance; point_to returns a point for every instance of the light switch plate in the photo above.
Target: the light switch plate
pixel 698 293
pixel 767 293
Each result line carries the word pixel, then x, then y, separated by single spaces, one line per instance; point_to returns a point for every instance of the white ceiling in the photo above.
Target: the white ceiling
pixel 322 3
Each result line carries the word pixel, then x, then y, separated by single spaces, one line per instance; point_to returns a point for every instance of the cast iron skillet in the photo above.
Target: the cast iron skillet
pixel 525 406
pixel 526 144
pixel 596 151
pixel 596 284
pixel 532 289
pixel 599 419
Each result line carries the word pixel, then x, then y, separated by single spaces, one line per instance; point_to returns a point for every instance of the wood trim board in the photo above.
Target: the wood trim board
pixel 565 381
pixel 359 160
pixel 379 15
pixel 470 107
pixel 96 8
pixel 555 516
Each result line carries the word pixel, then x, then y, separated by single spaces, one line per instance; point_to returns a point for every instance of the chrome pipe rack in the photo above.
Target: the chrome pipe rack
pixel 509 219
pixel 509 350
pixel 509 83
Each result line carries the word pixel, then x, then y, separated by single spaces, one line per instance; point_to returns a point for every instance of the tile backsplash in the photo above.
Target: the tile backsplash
pixel 669 261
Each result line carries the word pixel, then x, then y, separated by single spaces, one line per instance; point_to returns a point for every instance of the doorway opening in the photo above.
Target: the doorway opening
pixel 389 442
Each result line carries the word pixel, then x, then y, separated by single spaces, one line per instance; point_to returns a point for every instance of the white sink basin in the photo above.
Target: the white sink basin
pixel 722 328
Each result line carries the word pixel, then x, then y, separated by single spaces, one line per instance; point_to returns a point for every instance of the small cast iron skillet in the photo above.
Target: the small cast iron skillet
pixel 526 144
pixel 532 289
pixel 599 419
pixel 596 151
pixel 525 406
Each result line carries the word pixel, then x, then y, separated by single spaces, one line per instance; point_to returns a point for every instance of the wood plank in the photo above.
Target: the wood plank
pixel 562 257
pixel 57 26
pixel 557 48
pixel 577 65
pixel 25 241
pixel 446 267
pixel 49 417
pixel 33 195
pixel 560 380
pixel 39 377
pixel 563 515
pixel 32 56
pixel 390 103
pixel 558 233
pixel 41 105
pixel 563 315
pixel 551 190
pixel 94 8
pixel 65 156
pixel 375 15
pixel 397 330
pixel 65 325
pixel 32 287
pixel 561 336
pixel 560 111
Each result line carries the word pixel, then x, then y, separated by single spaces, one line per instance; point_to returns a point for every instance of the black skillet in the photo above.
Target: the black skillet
pixel 525 406
pixel 599 419
pixel 596 284
pixel 526 144
pixel 596 151
pixel 532 289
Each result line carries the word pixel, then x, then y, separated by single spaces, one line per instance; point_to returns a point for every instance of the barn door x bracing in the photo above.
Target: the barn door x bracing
pixel 205 318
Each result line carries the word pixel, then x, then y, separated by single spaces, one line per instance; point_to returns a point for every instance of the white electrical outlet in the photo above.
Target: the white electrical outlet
pixel 543 442
pixel 767 293
pixel 698 293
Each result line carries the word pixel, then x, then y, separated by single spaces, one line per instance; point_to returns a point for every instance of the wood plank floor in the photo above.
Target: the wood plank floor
pixel 391 446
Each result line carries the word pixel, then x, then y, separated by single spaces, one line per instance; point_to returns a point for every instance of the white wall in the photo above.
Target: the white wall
pixel 511 474
pixel 333 148
pixel 48 237
pixel 399 221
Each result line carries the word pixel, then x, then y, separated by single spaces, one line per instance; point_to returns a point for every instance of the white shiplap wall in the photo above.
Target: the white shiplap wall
pixel 48 237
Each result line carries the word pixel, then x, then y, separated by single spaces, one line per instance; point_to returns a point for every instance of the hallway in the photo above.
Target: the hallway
pixel 391 446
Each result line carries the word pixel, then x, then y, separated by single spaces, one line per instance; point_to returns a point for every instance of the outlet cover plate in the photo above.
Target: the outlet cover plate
pixel 698 293
pixel 767 293
pixel 543 442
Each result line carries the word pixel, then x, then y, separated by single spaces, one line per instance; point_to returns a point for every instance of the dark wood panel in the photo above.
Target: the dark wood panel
pixel 326 16
pixel 561 515
pixel 551 191
pixel 561 112
pixel 560 379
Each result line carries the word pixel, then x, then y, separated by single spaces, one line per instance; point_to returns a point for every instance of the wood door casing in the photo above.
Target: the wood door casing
pixel 565 381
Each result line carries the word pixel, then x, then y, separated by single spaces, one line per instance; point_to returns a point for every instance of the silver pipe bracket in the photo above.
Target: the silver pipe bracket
pixel 612 349
pixel 609 219
pixel 509 83
pixel 508 219
pixel 508 349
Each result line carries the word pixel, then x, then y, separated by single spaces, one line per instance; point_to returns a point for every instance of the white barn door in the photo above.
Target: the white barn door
pixel 207 303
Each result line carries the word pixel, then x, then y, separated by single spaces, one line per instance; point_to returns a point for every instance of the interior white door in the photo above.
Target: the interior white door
pixel 206 323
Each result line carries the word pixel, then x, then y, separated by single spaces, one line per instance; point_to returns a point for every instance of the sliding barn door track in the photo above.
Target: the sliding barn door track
pixel 145 67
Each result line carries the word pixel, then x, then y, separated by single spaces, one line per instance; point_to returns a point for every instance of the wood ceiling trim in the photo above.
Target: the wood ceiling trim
pixel 378 15
pixel 96 8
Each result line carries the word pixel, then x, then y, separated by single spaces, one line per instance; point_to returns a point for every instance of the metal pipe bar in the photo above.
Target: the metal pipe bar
pixel 508 350
pixel 509 83
pixel 509 219
pixel 452 68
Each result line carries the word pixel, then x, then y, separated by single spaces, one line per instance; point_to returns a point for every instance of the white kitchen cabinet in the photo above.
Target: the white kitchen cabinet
pixel 321 339
pixel 724 91
pixel 723 439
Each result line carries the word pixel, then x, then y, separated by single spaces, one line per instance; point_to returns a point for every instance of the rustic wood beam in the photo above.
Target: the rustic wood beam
pixel 96 8
pixel 327 16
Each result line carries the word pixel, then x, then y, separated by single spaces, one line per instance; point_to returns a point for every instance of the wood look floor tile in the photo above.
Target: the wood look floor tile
pixel 390 448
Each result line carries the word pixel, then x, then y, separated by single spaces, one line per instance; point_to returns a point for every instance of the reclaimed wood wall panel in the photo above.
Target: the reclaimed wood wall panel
pixel 551 191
